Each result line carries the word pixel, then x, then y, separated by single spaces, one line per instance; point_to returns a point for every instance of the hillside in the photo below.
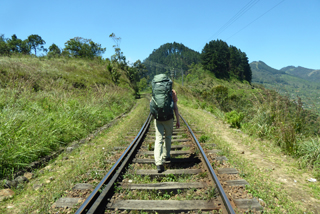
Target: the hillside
pixel 304 73
pixel 262 73
pixel 170 57
pixel 287 84
pixel 257 111
pixel 46 103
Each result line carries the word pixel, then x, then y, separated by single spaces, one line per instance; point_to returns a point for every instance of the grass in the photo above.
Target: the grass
pixel 87 158
pixel 46 104
pixel 257 111
pixel 262 184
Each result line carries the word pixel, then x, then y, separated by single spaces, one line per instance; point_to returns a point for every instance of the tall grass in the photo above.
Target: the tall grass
pixel 265 113
pixel 47 104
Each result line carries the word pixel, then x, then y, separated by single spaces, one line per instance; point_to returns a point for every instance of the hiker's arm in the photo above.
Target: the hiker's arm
pixel 176 112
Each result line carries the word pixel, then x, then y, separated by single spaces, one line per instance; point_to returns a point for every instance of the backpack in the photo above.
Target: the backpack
pixel 161 105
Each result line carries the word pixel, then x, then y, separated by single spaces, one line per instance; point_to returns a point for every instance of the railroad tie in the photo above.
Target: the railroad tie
pixel 248 204
pixel 67 202
pixel 163 205
pixel 240 182
pixel 164 186
pixel 228 171
pixel 154 173
pixel 172 153
pixel 173 160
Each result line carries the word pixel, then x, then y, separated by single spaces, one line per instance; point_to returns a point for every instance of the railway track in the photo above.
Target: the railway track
pixel 189 184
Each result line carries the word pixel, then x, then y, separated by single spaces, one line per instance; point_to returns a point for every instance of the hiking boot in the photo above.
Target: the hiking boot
pixel 167 159
pixel 160 168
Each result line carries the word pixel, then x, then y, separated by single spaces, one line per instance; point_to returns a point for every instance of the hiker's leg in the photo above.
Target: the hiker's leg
pixel 158 142
pixel 168 127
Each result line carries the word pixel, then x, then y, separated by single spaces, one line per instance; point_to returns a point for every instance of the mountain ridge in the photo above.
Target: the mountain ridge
pixel 302 72
pixel 289 81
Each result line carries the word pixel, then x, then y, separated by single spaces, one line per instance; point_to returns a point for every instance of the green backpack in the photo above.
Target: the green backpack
pixel 161 105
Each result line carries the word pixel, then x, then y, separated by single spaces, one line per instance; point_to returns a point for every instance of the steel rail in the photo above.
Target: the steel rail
pixel 212 173
pixel 97 200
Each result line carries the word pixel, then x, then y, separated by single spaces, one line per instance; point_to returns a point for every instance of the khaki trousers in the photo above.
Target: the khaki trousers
pixel 162 145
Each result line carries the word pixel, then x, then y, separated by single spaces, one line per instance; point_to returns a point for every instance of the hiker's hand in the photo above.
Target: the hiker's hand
pixel 178 124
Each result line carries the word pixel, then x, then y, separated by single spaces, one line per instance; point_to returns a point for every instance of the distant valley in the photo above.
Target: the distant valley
pixel 291 81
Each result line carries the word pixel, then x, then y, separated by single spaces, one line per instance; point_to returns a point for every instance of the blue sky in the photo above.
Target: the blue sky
pixel 278 32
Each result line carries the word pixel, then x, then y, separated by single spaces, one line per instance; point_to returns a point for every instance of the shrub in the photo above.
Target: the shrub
pixel 203 138
pixel 234 118
pixel 309 153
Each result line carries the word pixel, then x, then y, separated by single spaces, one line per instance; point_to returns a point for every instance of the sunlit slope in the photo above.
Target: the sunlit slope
pixel 48 103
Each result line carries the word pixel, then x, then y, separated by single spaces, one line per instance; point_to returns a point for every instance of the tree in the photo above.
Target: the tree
pixel 115 75
pixel 215 57
pixel 226 61
pixel 18 46
pixel 234 63
pixel 4 48
pixel 80 47
pixel 247 73
pixel 54 49
pixel 118 56
pixel 142 84
pixel 36 42
pixel 141 69
pixel 169 56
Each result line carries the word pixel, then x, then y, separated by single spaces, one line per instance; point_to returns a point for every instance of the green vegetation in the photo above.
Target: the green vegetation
pixel 234 118
pixel 225 61
pixel 80 47
pixel 46 103
pixel 76 168
pixel 258 111
pixel 36 42
pixel 168 57
pixel 288 83
pixel 304 73
pixel 222 60
pixel 264 182
pixel 203 138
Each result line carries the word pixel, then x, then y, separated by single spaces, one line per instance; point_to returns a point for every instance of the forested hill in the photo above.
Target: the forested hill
pixel 170 56
pixel 224 61
pixel 304 73
pixel 262 73
pixel 287 81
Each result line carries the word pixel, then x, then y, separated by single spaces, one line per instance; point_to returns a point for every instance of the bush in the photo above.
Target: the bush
pixel 203 138
pixel 234 118
pixel 309 153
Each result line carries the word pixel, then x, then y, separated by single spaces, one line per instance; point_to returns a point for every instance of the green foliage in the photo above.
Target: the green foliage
pixel 169 178
pixel 212 192
pixel 203 138
pixel 4 48
pixel 48 104
pixel 118 57
pixel 85 48
pixel 170 56
pixel 54 50
pixel 258 111
pixel 18 46
pixel 142 84
pixel 221 95
pixel 35 41
pixel 289 82
pixel 134 74
pixel 225 61
pixel 115 74
pixel 309 153
pixel 234 118
pixel 304 73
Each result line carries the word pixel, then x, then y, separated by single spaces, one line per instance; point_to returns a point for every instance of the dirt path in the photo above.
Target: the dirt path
pixel 281 169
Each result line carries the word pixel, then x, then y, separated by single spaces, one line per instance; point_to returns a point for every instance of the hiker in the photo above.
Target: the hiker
pixel 162 105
